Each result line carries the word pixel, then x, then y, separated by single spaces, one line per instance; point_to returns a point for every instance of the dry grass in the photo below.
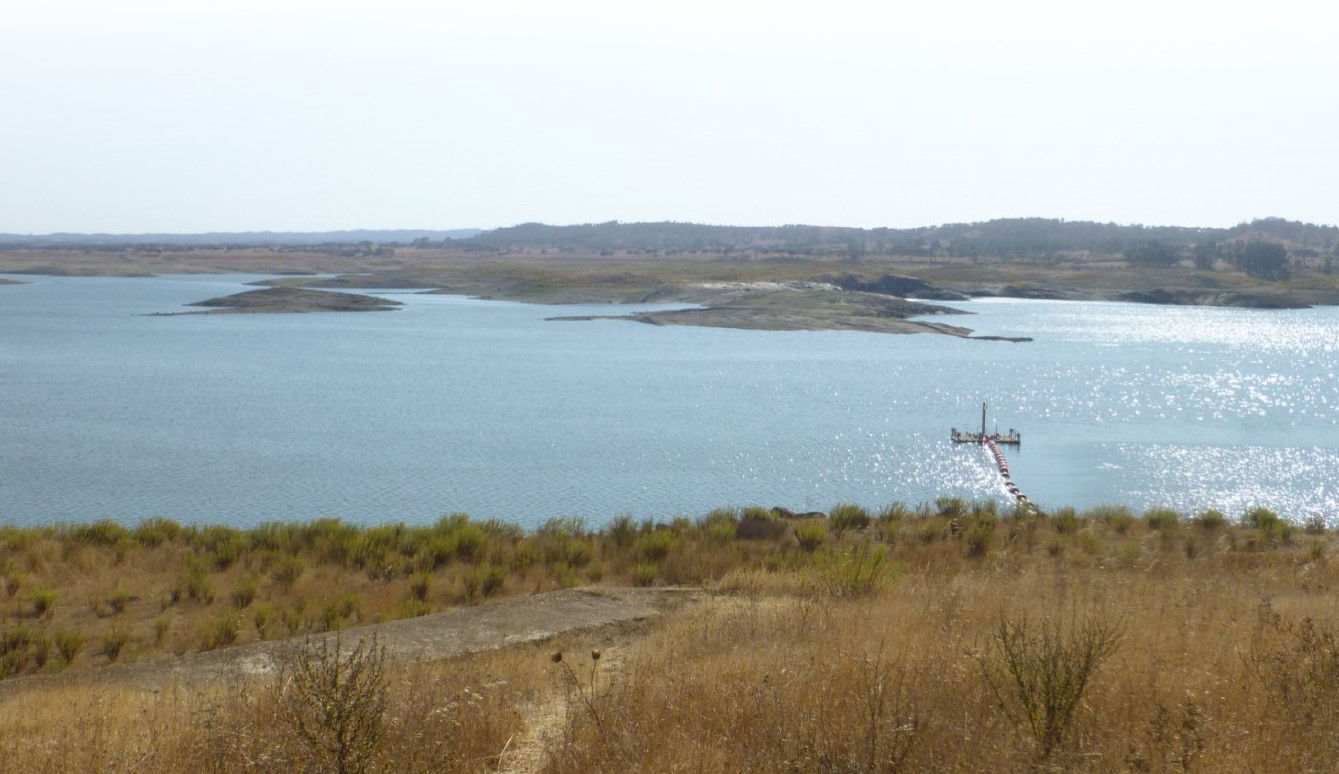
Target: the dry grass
pixel 1145 644
pixel 438 717
pixel 899 680
pixel 160 589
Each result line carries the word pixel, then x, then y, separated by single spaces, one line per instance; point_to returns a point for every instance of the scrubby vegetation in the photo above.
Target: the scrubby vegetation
pixel 940 637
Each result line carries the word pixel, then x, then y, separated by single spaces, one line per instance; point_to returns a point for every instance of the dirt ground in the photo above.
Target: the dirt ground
pixel 435 637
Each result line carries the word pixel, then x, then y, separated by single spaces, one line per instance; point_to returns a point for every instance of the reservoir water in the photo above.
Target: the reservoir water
pixel 453 404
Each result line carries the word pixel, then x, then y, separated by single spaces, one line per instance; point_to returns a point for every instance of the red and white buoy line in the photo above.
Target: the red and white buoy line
pixel 1003 465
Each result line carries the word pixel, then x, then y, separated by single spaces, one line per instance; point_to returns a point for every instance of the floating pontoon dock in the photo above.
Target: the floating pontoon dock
pixel 991 441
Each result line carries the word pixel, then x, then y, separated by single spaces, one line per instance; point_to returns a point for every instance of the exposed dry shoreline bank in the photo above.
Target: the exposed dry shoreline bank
pixel 763 292
pixel 290 300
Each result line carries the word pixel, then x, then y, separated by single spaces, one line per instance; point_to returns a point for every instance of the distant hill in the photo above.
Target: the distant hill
pixel 238 239
pixel 1011 237
pixel 1023 238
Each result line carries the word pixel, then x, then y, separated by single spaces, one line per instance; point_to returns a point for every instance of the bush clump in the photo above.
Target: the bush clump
pixel 644 574
pixel 1210 519
pixel 44 603
pixel 811 536
pixel 847 516
pixel 656 545
pixel 1162 518
pixel 244 593
pixel 219 632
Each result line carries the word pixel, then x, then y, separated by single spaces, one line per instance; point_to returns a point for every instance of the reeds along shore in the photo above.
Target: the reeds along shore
pixel 944 637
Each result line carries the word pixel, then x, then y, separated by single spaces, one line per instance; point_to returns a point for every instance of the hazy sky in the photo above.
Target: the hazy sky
pixel 189 116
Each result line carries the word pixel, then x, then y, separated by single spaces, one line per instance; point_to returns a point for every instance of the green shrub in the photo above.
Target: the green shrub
pixel 1314 525
pixel 1211 519
pixel 39 650
pixel 654 546
pixel 950 507
pixel 154 532
pixel 811 535
pixel 1274 529
pixel 978 536
pixel 100 533
pixel 1259 518
pixel 564 575
pixel 856 572
pixel 1109 513
pixel 644 574
pixel 1066 521
pixel 577 552
pixel 15 639
pixel 44 603
pixel 338 612
pixel 721 532
pixel 502 530
pixel 114 643
pixel 720 517
pixel 846 516
pixel 294 615
pixel 219 631
pixel 225 545
pixel 563 526
pixel 929 530
pixel 526 554
pixel 895 511
pixel 367 552
pixel 68 644
pixel 288 570
pixel 756 512
pixel 491 577
pixel 470 541
pixel 263 617
pixel 244 593
pixel 622 530
pixel 1162 518
pixel 120 600
pixel 437 552
pixel 283 537
pixel 194 584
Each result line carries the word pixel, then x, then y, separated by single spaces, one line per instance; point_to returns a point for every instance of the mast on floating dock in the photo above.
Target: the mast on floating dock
pixel 1012 437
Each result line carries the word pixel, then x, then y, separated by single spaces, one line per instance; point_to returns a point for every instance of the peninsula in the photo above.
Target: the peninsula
pixel 769 278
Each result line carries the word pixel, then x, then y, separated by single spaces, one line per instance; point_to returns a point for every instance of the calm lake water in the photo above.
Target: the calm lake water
pixel 452 404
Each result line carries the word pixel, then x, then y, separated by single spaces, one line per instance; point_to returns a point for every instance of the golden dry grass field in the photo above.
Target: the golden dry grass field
pixel 945 637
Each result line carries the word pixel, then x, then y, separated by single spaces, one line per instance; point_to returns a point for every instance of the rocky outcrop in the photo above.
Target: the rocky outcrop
pixel 899 285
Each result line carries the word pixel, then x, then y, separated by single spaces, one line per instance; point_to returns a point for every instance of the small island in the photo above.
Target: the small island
pixel 290 299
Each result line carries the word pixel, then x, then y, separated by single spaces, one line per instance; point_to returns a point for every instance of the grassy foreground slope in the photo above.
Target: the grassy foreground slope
pixel 948 637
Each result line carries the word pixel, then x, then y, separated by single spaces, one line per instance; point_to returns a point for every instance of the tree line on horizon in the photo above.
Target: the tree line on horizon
pixel 1262 247
pixel 1267 248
